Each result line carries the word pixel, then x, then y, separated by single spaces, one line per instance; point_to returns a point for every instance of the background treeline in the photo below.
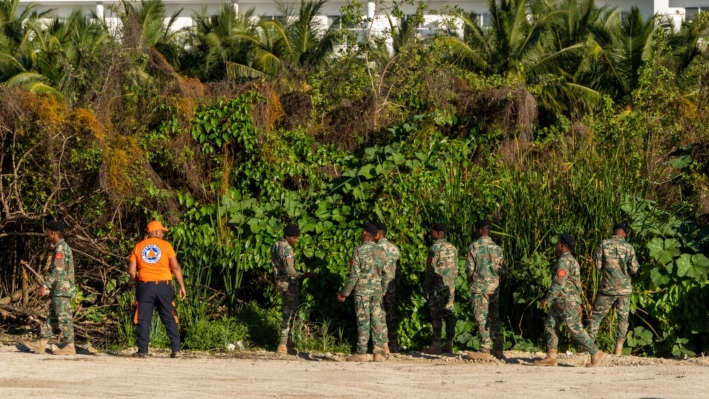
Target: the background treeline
pixel 559 116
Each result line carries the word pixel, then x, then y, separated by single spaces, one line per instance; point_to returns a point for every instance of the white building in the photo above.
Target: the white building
pixel 678 10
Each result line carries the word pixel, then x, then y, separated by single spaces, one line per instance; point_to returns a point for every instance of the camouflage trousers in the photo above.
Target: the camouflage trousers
pixel 486 308
pixel 440 304
pixel 59 317
pixel 568 314
pixel 602 306
pixel 370 321
pixel 391 333
pixel 289 305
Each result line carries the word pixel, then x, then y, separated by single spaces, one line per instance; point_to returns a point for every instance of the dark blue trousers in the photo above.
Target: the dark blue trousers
pixel 151 295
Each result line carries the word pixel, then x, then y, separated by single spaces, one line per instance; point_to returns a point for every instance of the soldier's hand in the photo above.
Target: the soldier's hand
pixel 340 297
pixel 544 303
pixel 308 275
pixel 43 291
pixel 183 293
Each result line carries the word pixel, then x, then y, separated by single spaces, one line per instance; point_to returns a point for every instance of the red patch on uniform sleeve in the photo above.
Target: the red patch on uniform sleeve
pixel 562 273
pixel 351 262
pixel 59 256
pixel 429 260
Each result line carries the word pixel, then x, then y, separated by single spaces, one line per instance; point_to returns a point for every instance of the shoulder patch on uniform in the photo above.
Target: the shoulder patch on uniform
pixel 351 262
pixel 561 273
pixel 59 256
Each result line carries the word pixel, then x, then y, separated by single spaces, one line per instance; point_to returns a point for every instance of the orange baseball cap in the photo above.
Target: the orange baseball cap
pixel 155 225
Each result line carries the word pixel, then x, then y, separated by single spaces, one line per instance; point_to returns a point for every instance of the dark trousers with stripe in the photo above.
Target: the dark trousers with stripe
pixel 151 295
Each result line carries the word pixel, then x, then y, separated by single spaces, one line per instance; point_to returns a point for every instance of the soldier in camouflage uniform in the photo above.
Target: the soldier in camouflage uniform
pixel 439 288
pixel 616 260
pixel 365 280
pixel 390 280
pixel 287 283
pixel 565 300
pixel 60 285
pixel 484 266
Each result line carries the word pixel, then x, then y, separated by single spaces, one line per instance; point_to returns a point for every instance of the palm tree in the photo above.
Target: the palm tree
pixel 150 17
pixel 216 42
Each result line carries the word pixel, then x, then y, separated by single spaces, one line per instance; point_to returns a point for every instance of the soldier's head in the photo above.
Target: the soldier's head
pixel 55 231
pixel 566 243
pixel 482 227
pixel 156 230
pixel 381 231
pixel 438 231
pixel 620 230
pixel 369 231
pixel 291 233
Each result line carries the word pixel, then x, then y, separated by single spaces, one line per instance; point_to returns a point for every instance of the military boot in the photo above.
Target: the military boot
pixel 378 357
pixel 393 347
pixel 498 354
pixel 357 358
pixel 596 359
pixel 68 349
pixel 385 349
pixel 448 348
pixel 39 346
pixel 282 348
pixel 434 349
pixel 549 361
pixel 478 356
pixel 291 349
pixel 619 347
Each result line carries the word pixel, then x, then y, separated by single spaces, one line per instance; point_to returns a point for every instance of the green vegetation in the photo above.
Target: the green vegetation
pixel 560 116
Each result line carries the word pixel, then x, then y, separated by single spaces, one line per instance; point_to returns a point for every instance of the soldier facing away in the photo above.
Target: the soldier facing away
pixel 439 288
pixel 565 300
pixel 365 280
pixel 484 266
pixel 390 280
pixel 288 283
pixel 616 260
pixel 60 286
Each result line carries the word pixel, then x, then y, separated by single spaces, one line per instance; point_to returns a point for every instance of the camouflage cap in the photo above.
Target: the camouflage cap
pixel 568 240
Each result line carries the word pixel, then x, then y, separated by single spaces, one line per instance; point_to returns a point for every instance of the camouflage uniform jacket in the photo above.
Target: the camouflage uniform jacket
pixel 366 266
pixel 392 261
pixel 282 261
pixel 616 260
pixel 441 267
pixel 566 286
pixel 484 266
pixel 61 276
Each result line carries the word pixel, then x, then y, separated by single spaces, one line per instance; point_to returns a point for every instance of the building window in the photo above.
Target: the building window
pixel 691 12
pixel 484 20
pixel 334 22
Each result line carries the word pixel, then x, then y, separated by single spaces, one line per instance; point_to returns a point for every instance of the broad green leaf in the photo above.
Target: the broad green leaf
pixel 684 264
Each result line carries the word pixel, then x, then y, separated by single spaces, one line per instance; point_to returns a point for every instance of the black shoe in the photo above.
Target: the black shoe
pixel 175 354
pixel 140 354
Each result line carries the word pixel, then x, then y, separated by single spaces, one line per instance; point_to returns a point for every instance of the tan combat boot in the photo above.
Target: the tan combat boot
pixel 449 347
pixel 393 348
pixel 595 359
pixel 619 347
pixel 68 349
pixel 434 349
pixel 378 357
pixel 549 361
pixel 282 348
pixel 357 358
pixel 478 356
pixel 39 346
pixel 498 354
pixel 385 349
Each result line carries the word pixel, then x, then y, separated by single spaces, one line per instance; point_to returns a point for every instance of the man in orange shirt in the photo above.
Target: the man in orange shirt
pixel 152 264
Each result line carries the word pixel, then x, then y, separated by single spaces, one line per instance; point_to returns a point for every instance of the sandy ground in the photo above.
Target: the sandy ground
pixel 261 374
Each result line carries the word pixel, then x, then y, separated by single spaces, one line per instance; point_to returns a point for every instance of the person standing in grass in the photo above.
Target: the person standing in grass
pixel 439 288
pixel 152 264
pixel 484 267
pixel 365 280
pixel 390 280
pixel 60 285
pixel 565 300
pixel 288 284
pixel 616 260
